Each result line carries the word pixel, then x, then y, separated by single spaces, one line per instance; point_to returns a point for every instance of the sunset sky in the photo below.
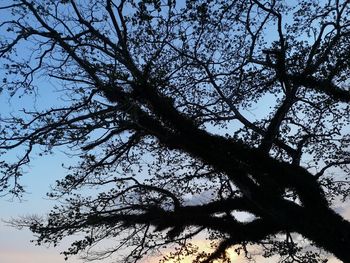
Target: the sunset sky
pixel 15 245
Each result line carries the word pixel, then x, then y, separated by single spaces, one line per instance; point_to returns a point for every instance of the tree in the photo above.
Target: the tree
pixel 157 105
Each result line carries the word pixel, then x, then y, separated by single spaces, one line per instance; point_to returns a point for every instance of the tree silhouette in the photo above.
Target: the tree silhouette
pixel 243 105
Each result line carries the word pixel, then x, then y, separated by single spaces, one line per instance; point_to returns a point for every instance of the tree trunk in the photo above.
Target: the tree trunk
pixel 327 230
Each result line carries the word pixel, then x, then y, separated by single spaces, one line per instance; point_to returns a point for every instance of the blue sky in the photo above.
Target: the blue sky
pixel 15 245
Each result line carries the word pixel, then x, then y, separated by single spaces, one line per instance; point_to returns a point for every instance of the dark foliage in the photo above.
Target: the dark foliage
pixel 243 105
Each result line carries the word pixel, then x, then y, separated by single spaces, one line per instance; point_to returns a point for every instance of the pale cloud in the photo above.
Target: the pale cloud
pixel 346 212
pixel 18 256
pixel 15 247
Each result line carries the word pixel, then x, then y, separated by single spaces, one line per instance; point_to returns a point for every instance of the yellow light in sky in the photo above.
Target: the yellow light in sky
pixel 203 245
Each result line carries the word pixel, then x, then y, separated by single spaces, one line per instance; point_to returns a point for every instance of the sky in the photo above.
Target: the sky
pixel 15 245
